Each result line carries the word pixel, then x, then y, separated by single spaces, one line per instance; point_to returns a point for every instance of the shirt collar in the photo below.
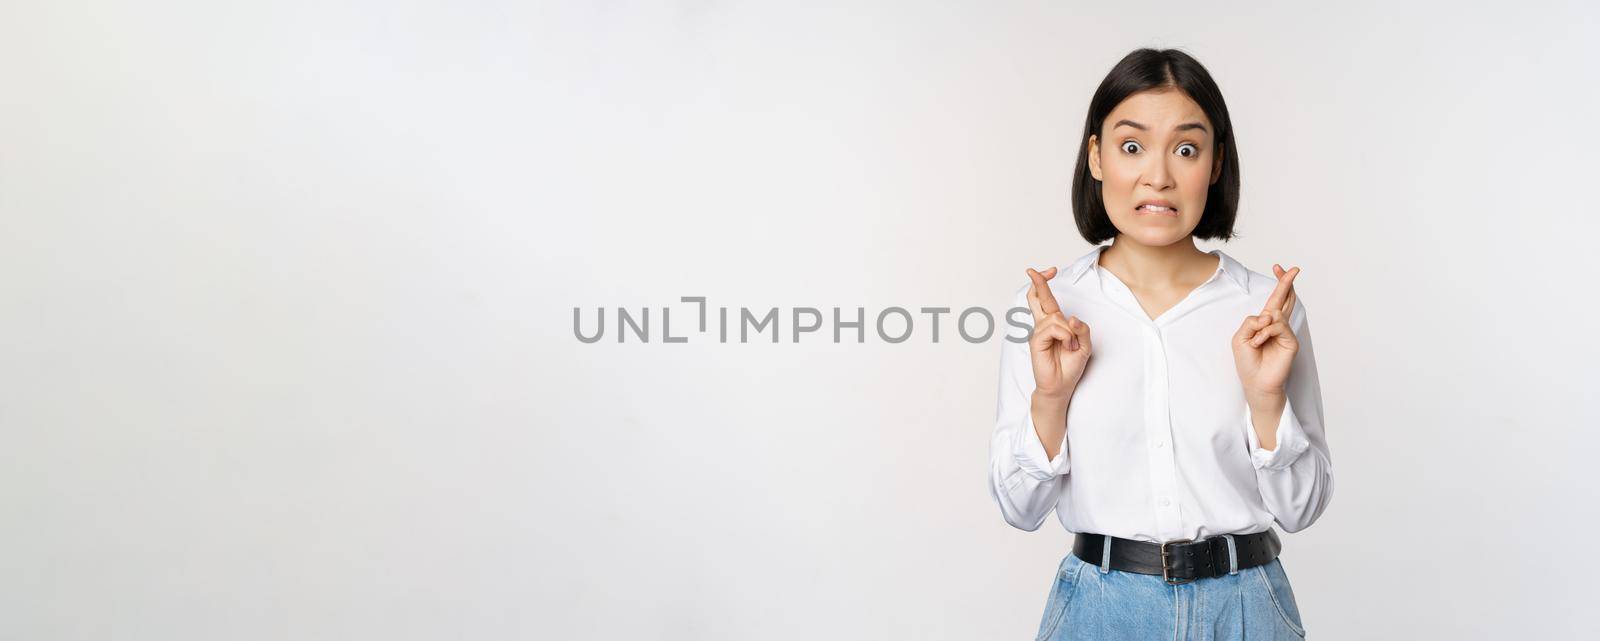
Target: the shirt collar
pixel 1230 267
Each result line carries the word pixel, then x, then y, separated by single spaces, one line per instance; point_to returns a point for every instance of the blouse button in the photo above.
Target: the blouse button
pixel 1165 501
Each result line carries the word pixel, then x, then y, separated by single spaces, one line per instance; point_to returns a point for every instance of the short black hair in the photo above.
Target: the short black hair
pixel 1153 69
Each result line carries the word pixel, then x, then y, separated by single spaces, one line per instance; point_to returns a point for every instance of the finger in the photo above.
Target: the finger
pixel 1033 296
pixel 1044 323
pixel 1253 326
pixel 1263 321
pixel 1262 336
pixel 1048 334
pixel 1081 329
pixel 1070 333
pixel 1275 329
pixel 1247 329
pixel 1073 341
pixel 1047 299
pixel 1281 292
pixel 1034 300
pixel 1288 305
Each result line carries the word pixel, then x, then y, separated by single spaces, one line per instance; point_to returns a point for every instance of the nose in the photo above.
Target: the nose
pixel 1158 175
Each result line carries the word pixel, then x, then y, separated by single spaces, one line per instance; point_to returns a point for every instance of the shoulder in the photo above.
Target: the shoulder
pixel 1069 276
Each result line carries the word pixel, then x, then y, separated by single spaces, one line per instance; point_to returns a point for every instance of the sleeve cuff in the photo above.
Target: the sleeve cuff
pixel 1292 441
pixel 1031 456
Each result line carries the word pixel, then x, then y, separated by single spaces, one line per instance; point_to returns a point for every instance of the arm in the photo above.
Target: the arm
pixel 1295 474
pixel 1025 479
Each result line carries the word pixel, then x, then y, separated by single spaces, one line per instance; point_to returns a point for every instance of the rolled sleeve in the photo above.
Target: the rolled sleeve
pixel 1031 455
pixel 1292 441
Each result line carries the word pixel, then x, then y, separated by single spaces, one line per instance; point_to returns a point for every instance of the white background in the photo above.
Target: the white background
pixel 286 296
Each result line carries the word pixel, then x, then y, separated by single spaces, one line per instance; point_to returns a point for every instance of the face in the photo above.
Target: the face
pixel 1159 148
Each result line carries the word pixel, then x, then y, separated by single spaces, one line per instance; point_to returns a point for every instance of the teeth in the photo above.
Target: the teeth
pixel 1155 208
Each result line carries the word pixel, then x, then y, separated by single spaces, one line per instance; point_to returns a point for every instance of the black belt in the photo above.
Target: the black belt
pixel 1180 561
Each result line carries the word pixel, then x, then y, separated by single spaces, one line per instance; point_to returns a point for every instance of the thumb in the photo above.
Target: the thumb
pixel 1248 329
pixel 1082 330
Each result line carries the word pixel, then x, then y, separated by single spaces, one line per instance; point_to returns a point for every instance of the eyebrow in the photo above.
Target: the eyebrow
pixel 1182 127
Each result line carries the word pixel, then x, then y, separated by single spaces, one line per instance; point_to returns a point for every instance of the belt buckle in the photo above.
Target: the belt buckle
pixel 1165 568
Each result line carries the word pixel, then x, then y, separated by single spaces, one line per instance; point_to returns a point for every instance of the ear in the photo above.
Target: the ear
pixel 1094 157
pixel 1216 165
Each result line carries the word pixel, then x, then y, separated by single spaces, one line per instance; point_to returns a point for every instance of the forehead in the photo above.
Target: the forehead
pixel 1159 109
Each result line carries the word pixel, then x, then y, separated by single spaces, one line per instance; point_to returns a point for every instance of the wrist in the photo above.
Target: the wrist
pixel 1265 399
pixel 1048 399
pixel 1054 403
pixel 1264 419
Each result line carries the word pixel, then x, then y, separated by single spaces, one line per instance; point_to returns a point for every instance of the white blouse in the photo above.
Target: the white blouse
pixel 1159 443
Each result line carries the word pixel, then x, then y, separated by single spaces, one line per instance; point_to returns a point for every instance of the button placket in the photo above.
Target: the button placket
pixel 1163 463
pixel 1160 460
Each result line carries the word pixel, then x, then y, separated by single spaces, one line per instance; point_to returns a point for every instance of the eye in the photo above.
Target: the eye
pixel 1134 150
pixel 1195 151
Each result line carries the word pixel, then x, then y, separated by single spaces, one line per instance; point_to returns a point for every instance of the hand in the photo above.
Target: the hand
pixel 1059 346
pixel 1264 347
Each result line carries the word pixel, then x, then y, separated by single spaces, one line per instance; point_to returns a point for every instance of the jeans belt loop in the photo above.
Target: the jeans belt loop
pixel 1233 555
pixel 1105 555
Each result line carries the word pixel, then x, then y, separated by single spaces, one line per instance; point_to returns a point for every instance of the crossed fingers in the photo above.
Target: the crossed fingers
pixel 1279 306
pixel 1282 298
pixel 1040 299
pixel 1049 325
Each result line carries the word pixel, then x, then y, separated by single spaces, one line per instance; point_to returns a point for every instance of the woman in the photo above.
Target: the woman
pixel 1166 404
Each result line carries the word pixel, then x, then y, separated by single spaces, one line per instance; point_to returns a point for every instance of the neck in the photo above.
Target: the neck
pixel 1152 266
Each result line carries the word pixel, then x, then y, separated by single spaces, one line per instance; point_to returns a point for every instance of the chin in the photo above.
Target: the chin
pixel 1153 235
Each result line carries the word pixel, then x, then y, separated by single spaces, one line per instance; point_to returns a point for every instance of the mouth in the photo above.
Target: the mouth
pixel 1156 210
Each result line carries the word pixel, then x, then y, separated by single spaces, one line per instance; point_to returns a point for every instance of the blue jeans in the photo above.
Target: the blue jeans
pixel 1089 603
